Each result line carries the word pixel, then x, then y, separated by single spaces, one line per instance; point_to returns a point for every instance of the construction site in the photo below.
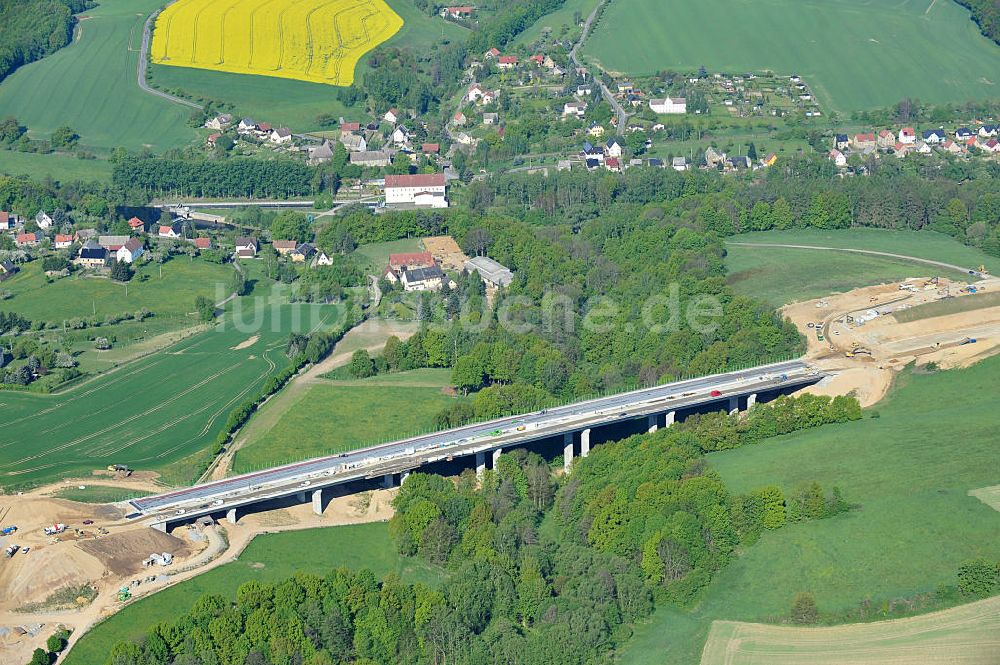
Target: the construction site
pixel 69 565
pixel 869 334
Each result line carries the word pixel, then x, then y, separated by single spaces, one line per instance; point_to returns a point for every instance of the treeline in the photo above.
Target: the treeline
pixel 32 29
pixel 986 14
pixel 237 177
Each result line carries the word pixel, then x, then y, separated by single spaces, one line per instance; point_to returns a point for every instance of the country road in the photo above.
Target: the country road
pixel 949 266
pixel 144 62
pixel 619 111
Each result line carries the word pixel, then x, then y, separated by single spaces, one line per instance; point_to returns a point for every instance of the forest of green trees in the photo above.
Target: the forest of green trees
pixel 538 569
pixel 986 14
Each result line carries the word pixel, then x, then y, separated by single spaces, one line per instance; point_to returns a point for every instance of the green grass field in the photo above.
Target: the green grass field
pixel 168 295
pixel 269 558
pixel 558 21
pixel 60 167
pixel 949 306
pixel 98 494
pixel 91 86
pixel 297 103
pixel 782 275
pixel 158 413
pixel 916 522
pixel 375 257
pixel 334 416
pixel 856 54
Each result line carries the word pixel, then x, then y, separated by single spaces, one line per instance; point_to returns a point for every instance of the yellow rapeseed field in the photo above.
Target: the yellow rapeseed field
pixel 308 40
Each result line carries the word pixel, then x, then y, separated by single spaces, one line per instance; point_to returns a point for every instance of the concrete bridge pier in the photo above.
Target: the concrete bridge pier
pixel 751 400
pixel 734 405
pixel 387 481
pixel 231 516
pixel 497 452
pixel 160 526
pixel 670 419
pixel 585 442
pixel 567 451
pixel 651 424
pixel 403 476
pixel 317 501
pixel 480 464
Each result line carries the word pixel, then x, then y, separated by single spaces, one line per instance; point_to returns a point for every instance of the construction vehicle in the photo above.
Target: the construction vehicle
pixel 11 551
pixel 121 469
pixel 55 529
pixel 982 270
pixel 124 594
pixel 7 530
pixel 857 349
pixel 967 340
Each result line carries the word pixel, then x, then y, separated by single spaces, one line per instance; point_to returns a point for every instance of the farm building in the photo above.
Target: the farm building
pixel 422 279
pixel 491 272
pixel 668 106
pixel 419 190
pixel 92 255
pixel 246 247
pixel 283 247
pixel 130 251
pixel 371 158
pixel 7 270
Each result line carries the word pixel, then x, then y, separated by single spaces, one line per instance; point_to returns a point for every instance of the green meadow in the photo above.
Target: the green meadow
pixel 269 558
pixel 333 416
pixel 91 86
pixel 856 54
pixel 60 167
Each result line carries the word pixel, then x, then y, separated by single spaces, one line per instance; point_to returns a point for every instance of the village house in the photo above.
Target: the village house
pixel 613 164
pixel 112 243
pixel 203 243
pixel 596 130
pixel 246 247
pixel 507 62
pixel 590 151
pixel 92 255
pixel 491 54
pixel 401 135
pixel 422 279
pixel 490 118
pixel 7 270
pixel 281 135
pixel 771 159
pixel 425 190
pixel 263 130
pixel 32 239
pixel 934 136
pixel 575 109
pixel 219 122
pixel 350 126
pixel 991 146
pixel 714 158
pixel 952 147
pixel 130 251
pixel 246 126
pixel 170 231
pixel 302 252
pixel 584 91
pixel 8 221
pixel 43 220
pixel 840 142
pixel 371 158
pixel 907 136
pixel 475 93
pixel 83 235
pixel 838 158
pixel 613 148
pixel 392 116
pixel 538 59
pixel 321 153
pixel 63 241
pixel 401 262
pixel 625 88
pixel 492 273
pixel 963 134
pixel 459 119
pixel 922 148
pixel 886 139
pixel 465 139
pixel 321 259
pixel 668 105
pixel 430 148
pixel 679 164
pixel 283 247
pixel 863 142
pixel 137 225
pixel 989 131
pixel 457 12
pixel 353 142
pixel 212 138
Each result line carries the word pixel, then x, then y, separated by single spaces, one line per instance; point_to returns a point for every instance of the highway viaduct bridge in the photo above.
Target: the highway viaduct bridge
pixel 574 427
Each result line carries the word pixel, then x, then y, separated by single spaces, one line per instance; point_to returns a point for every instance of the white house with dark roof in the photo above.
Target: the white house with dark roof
pixel 669 106
pixel 422 189
pixel 246 247
pixel 130 251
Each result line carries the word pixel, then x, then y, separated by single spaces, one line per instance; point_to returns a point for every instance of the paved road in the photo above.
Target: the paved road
pixel 619 111
pixel 408 453
pixel 938 264
pixel 147 31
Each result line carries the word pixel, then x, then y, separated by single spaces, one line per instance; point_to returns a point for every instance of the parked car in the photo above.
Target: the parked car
pixel 716 393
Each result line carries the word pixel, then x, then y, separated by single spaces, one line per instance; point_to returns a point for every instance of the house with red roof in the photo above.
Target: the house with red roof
pixel 283 247
pixel 350 126
pixel 28 239
pixel 137 225
pixel 886 139
pixel 430 148
pixel 422 189
pixel 63 241
pixel 907 136
pixel 507 62
pixel 864 141
pixel 492 53
pixel 203 243
pixel 458 12
pixel 538 59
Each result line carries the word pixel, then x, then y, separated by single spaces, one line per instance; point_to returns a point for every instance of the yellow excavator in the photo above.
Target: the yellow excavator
pixel 856 350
